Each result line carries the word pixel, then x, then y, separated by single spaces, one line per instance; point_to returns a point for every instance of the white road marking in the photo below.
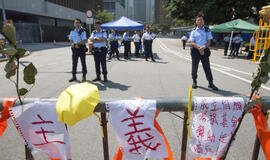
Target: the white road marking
pixel 221 69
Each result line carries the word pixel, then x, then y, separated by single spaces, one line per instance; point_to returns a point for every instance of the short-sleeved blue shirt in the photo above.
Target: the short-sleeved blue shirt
pixel 126 37
pixel 76 37
pixel 100 34
pixel 200 36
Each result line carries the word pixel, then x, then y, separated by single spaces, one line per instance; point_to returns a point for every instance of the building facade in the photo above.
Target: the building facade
pixel 117 7
pixel 160 15
pixel 45 17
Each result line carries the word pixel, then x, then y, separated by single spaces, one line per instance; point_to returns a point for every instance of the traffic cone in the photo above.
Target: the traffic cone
pixel 54 42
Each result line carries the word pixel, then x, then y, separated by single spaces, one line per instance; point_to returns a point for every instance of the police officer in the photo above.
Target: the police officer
pixel 127 43
pixel 184 40
pixel 98 37
pixel 137 42
pixel 147 39
pixel 200 39
pixel 227 43
pixel 114 44
pixel 78 39
pixel 237 43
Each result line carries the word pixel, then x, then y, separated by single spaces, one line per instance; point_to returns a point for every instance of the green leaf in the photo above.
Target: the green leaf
pixel 20 52
pixel 10 74
pixel 29 80
pixel 9 32
pixel 22 91
pixel 9 50
pixel 30 71
pixel 10 66
pixel 264 79
pixel 265 67
pixel 10 69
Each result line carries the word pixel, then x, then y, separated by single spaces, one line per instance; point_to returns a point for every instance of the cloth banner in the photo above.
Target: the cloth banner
pixel 137 131
pixel 37 123
pixel 215 120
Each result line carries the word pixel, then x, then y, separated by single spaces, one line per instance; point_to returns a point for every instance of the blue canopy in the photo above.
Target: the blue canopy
pixel 123 23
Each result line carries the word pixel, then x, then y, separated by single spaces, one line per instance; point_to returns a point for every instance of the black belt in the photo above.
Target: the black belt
pixel 96 49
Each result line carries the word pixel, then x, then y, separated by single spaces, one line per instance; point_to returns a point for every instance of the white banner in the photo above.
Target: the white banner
pixel 38 125
pixel 133 122
pixel 214 122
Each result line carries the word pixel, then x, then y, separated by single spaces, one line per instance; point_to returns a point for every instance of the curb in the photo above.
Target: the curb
pixel 6 59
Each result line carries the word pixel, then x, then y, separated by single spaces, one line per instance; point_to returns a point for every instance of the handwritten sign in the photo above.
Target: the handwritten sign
pixel 133 122
pixel 214 122
pixel 38 125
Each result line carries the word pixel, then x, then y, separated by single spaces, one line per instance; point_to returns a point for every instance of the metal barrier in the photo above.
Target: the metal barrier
pixel 164 105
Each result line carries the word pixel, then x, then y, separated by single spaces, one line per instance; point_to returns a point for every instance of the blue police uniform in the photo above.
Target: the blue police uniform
pixel 200 37
pixel 147 41
pixel 127 45
pixel 236 42
pixel 77 36
pixel 226 46
pixel 137 42
pixel 100 51
pixel 114 45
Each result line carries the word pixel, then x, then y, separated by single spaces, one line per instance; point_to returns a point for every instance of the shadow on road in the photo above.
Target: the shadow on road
pixel 102 86
pixel 220 92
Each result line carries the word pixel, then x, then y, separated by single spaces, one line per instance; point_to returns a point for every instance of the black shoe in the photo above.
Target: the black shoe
pixel 213 87
pixel 110 58
pixel 83 78
pixel 96 79
pixel 194 85
pixel 74 78
pixel 105 78
pixel 153 60
pixel 118 59
pixel 146 59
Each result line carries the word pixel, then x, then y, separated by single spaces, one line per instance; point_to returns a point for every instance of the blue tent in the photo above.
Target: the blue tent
pixel 123 23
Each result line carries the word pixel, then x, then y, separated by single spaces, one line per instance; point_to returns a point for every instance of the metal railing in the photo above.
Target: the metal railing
pixel 164 105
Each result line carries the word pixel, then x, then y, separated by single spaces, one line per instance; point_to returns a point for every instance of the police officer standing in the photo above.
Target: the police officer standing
pixel 98 37
pixel 127 44
pixel 200 39
pixel 137 42
pixel 237 43
pixel 184 40
pixel 114 44
pixel 78 39
pixel 147 39
pixel 227 43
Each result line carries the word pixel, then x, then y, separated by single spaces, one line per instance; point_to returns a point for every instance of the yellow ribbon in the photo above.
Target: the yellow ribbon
pixel 100 123
pixel 189 110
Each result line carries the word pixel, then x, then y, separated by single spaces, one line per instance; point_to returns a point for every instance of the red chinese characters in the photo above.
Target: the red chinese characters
pixel 200 131
pixel 135 137
pixel 204 105
pixel 44 132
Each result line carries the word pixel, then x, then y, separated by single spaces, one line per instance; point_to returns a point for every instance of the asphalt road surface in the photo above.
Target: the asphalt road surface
pixel 170 76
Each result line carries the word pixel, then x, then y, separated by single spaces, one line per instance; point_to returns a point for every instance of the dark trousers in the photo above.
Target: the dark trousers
pixel 226 46
pixel 137 48
pixel 127 51
pixel 114 49
pixel 148 49
pixel 184 44
pixel 100 59
pixel 236 49
pixel 76 54
pixel 196 58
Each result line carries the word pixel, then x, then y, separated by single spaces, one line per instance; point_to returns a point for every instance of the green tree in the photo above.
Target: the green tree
pixel 104 16
pixel 214 11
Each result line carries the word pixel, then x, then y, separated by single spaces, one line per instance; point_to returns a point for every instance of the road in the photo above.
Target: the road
pixel 170 76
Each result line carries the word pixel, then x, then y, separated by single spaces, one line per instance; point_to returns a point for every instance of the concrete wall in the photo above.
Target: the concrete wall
pixel 43 8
